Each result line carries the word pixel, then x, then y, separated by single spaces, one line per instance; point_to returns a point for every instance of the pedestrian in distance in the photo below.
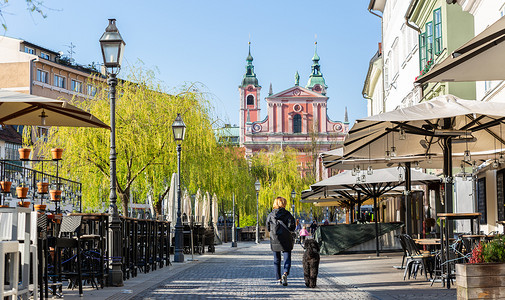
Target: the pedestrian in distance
pixel 303 235
pixel 313 227
pixel 280 225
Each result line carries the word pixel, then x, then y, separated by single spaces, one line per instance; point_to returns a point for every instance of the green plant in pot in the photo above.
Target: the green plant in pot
pixel 484 272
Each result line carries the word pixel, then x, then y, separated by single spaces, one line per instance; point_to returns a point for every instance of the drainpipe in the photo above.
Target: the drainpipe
pixel 408 14
pixel 31 75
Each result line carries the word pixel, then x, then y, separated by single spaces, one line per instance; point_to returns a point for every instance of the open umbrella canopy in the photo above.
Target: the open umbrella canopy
pixel 23 109
pixel 393 176
pixel 481 58
pixel 422 129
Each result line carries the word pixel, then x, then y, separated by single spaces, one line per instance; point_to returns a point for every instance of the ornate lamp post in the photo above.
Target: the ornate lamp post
pixel 293 195
pixel 112 50
pixel 257 186
pixel 179 129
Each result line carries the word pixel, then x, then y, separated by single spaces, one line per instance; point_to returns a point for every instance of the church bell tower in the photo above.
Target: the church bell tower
pixel 249 98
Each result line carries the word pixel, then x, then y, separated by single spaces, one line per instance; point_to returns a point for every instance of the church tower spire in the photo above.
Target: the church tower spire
pixel 316 80
pixel 249 90
pixel 249 76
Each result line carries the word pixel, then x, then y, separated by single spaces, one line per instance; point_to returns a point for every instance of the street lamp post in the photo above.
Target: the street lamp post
pixel 179 130
pixel 112 51
pixel 293 195
pixel 233 228
pixel 257 186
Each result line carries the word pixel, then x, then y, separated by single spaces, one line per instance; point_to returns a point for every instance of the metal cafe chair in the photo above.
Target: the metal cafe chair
pixel 67 255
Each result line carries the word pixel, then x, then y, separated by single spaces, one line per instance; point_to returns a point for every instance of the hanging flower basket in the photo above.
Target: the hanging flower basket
pixel 42 187
pixel 22 192
pixel 55 195
pixel 24 153
pixel 6 186
pixel 56 153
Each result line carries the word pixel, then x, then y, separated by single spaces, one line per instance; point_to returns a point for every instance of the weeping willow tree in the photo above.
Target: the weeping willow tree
pixel 146 152
pixel 280 173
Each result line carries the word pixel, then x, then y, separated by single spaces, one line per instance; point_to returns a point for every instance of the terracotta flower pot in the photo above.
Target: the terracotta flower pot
pixel 6 186
pixel 24 204
pixel 22 192
pixel 56 153
pixel 42 187
pixel 24 153
pixel 55 195
pixel 39 206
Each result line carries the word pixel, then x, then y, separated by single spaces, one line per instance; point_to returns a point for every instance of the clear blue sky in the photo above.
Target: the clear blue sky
pixel 206 41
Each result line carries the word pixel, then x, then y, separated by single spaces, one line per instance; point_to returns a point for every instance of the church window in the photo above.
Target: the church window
pixel 297 123
pixel 250 100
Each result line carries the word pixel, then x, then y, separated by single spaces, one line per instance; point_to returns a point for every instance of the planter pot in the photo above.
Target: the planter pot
pixel 24 153
pixel 6 186
pixel 40 207
pixel 22 192
pixel 4 206
pixel 42 187
pixel 24 204
pixel 55 195
pixel 56 153
pixel 480 281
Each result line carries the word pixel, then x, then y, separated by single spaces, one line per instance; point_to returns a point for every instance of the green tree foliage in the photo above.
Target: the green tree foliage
pixel 280 173
pixel 146 152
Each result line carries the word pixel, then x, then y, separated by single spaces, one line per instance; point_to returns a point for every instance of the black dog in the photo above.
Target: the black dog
pixel 311 262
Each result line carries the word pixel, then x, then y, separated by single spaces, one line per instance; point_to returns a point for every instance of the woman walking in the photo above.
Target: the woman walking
pixel 280 224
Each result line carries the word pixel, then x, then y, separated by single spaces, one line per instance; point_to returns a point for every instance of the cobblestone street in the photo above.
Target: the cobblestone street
pixel 244 274
pixel 247 272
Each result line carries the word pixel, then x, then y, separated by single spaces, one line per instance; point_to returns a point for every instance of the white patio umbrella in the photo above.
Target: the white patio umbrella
pixel 380 182
pixel 24 109
pixel 188 210
pixel 215 211
pixel 438 127
pixel 206 207
pixel 198 206
pixel 172 200
pixel 481 58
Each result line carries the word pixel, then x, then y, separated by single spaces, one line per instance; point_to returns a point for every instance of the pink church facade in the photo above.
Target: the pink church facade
pixel 296 117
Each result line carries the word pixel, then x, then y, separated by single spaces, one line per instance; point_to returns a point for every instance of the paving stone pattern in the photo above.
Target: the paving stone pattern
pixel 246 273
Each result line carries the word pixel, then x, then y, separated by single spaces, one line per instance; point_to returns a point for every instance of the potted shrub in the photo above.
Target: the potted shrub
pixel 6 186
pixel 24 153
pixel 22 191
pixel 42 187
pixel 55 195
pixel 56 153
pixel 483 276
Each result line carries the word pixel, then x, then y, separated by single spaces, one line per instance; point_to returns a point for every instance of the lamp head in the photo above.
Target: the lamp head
pixel 179 128
pixel 112 45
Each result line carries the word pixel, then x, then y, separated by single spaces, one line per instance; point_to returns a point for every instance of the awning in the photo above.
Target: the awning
pixel 481 58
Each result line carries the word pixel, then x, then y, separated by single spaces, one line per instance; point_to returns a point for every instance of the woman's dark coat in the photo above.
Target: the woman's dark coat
pixel 284 241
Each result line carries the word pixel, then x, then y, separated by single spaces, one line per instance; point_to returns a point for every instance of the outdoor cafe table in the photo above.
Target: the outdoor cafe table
pixel 444 234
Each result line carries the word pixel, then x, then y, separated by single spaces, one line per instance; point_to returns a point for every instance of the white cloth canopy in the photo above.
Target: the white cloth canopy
pixel 474 125
pixel 346 180
pixel 481 58
pixel 188 210
pixel 24 109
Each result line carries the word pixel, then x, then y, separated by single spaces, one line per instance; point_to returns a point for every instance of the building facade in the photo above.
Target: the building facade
pixel 35 70
pixel 296 117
